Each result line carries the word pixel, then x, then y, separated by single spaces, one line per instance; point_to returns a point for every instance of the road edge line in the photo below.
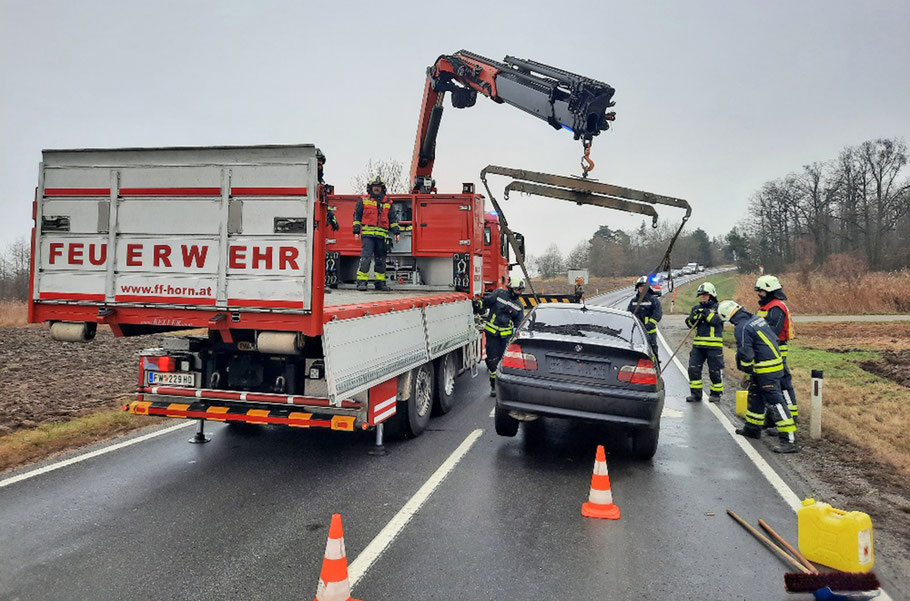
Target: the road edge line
pixel 362 563
pixel 782 488
pixel 67 462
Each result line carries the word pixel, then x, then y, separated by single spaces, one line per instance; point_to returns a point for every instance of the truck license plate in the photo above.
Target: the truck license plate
pixel 171 378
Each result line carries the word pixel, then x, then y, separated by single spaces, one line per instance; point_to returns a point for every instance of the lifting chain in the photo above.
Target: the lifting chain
pixel 587 164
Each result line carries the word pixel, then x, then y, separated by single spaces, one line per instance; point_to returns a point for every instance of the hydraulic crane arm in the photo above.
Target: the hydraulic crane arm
pixel 562 99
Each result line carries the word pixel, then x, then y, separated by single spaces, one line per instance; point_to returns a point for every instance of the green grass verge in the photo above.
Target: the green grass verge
pixel 26 446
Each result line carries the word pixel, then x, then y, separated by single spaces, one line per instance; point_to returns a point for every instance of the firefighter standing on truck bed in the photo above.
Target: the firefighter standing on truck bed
pixel 708 344
pixel 647 310
pixel 758 356
pixel 503 314
pixel 372 223
pixel 771 304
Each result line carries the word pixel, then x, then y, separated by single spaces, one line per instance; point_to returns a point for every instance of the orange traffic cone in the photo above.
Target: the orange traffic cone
pixel 333 580
pixel 600 501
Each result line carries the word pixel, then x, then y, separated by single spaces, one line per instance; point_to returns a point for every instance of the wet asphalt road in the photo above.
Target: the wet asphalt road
pixel 246 516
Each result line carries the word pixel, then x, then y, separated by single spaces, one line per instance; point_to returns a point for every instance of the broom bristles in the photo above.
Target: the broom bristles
pixel 796 582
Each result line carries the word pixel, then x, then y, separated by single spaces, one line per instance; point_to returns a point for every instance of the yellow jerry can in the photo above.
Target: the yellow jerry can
pixel 742 401
pixel 838 539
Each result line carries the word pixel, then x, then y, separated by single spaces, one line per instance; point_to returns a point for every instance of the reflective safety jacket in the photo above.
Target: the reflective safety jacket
pixel 505 312
pixel 756 345
pixel 373 217
pixel 709 327
pixel 777 314
pixel 649 311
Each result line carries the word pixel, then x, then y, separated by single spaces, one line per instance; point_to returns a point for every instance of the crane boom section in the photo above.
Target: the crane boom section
pixel 562 99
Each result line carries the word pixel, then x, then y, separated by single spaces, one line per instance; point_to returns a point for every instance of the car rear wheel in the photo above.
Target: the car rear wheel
pixel 644 442
pixel 446 371
pixel 506 425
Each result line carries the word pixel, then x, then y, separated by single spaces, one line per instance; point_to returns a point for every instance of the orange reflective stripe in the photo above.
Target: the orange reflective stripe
pixel 600 481
pixel 334 570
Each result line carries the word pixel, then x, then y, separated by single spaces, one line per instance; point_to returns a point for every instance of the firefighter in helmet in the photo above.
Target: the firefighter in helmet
pixel 708 344
pixel 645 305
pixel 758 356
pixel 375 225
pixel 503 314
pixel 771 306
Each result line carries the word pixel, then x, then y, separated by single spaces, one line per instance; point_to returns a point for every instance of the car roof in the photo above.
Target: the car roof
pixel 579 306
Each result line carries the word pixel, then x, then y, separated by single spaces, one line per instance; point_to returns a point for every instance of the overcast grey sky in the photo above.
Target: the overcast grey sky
pixel 712 98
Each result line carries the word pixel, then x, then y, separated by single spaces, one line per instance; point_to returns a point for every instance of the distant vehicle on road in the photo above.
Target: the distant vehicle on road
pixel 701 268
pixel 690 268
pixel 585 363
pixel 656 281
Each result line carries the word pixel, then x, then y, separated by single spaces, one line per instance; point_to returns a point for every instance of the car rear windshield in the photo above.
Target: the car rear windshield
pixel 575 322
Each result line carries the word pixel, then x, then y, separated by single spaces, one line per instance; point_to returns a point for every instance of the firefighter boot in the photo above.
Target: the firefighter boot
pixel 786 447
pixel 748 432
pixel 361 285
pixel 493 386
pixel 714 397
pixel 693 397
pixel 382 286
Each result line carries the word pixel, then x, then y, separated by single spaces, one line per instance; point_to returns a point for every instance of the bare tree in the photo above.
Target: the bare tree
pixel 550 263
pixel 391 171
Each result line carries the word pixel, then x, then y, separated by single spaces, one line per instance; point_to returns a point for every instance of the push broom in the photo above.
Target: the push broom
pixel 807 581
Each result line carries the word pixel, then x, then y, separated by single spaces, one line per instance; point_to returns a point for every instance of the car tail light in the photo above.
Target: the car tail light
pixel 643 373
pixel 514 358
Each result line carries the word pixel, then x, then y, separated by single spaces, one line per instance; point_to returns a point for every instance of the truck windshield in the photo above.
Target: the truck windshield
pixel 575 322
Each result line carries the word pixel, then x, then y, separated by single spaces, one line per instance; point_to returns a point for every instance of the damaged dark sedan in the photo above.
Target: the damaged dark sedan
pixel 582 362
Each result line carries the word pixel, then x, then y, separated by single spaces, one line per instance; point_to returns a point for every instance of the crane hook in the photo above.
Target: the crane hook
pixel 587 164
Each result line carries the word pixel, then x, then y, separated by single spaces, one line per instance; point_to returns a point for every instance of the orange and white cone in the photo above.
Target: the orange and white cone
pixel 333 580
pixel 600 500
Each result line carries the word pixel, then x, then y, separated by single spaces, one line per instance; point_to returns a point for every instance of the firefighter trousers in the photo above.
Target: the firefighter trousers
pixel 652 340
pixel 786 385
pixel 715 358
pixel 372 246
pixel 496 346
pixel 766 399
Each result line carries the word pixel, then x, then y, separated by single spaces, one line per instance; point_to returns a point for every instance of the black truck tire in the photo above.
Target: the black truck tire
pixel 446 369
pixel 644 442
pixel 506 425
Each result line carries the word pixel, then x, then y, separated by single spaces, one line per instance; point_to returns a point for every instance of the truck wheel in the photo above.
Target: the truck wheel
pixel 446 371
pixel 506 425
pixel 420 405
pixel 644 442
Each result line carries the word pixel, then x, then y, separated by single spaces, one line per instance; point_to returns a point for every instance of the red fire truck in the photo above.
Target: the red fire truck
pixel 232 240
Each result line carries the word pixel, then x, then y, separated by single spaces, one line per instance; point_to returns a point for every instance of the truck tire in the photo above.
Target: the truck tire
pixel 506 425
pixel 446 372
pixel 415 415
pixel 644 442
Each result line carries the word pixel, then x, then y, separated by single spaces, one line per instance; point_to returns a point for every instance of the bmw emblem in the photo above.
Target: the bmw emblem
pixel 578 348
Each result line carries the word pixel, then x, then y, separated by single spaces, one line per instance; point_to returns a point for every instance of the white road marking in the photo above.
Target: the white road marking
pixel 381 542
pixel 78 458
pixel 493 412
pixel 763 466
pixel 667 412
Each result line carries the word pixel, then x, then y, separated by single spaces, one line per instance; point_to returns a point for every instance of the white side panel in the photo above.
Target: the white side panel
pixel 72 285
pixel 169 216
pixel 177 289
pixel 77 177
pixel 265 292
pixel 449 326
pixel 63 252
pixel 195 176
pixel 365 351
pixel 83 214
pixel 167 256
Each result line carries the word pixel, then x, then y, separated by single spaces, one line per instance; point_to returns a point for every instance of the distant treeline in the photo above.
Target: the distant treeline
pixel 853 209
pixel 14 262
pixel 610 252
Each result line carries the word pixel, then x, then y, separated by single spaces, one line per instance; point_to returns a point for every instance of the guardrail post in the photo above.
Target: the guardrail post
pixel 815 414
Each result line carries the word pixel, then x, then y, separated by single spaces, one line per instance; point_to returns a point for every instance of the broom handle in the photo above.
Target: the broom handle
pixel 787 546
pixel 767 541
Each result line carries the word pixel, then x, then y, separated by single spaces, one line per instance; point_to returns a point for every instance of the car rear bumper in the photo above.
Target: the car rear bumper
pixel 569 400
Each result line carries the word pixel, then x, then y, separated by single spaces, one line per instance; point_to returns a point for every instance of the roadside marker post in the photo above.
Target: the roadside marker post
pixel 815 414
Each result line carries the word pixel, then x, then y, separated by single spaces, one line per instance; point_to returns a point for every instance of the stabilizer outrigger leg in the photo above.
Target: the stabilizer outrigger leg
pixel 378 448
pixel 200 437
